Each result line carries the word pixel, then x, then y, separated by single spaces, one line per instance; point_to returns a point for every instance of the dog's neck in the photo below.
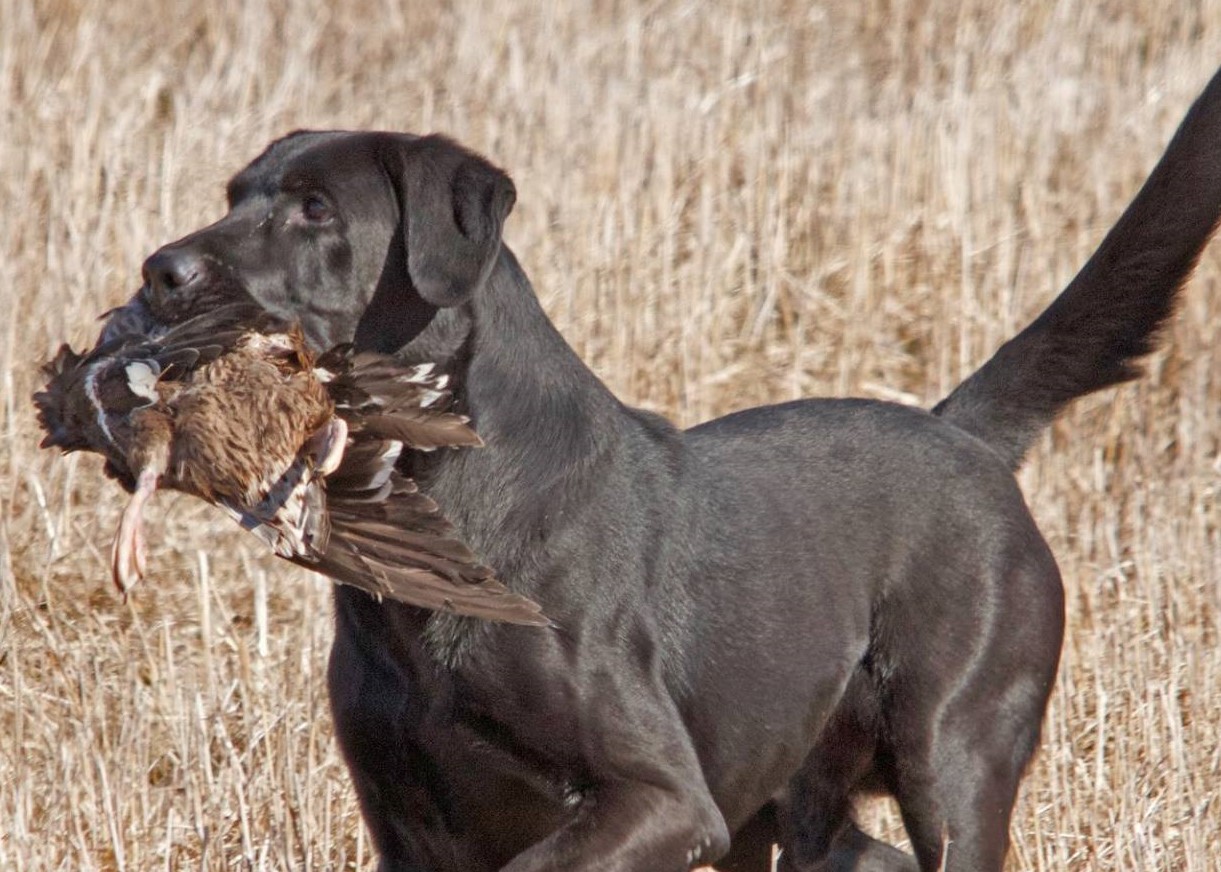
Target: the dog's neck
pixel 545 418
pixel 514 374
pixel 555 438
pixel 522 378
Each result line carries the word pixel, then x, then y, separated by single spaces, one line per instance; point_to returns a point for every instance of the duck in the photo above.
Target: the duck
pixel 302 450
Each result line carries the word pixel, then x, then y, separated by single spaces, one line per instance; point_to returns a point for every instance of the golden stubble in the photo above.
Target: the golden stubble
pixel 720 206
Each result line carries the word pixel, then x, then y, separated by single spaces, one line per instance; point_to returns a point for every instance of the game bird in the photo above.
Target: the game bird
pixel 303 451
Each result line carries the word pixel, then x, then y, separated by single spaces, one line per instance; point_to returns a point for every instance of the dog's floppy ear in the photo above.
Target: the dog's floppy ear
pixel 454 205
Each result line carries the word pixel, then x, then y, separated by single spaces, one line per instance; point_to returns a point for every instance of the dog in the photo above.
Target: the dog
pixel 754 621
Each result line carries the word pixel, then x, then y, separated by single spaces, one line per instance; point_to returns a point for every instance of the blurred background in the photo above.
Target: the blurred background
pixel 720 204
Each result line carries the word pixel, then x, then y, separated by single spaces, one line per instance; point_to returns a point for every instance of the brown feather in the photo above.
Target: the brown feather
pixel 487 599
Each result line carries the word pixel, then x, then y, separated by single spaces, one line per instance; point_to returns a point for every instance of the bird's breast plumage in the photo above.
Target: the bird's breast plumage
pixel 241 423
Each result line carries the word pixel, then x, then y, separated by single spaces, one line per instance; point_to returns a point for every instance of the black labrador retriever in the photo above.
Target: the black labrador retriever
pixel 755 620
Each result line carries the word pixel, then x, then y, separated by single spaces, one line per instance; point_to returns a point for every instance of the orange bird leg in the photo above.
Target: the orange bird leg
pixel 127 557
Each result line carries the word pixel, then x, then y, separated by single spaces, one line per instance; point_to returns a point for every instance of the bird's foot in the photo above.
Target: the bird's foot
pixel 127 558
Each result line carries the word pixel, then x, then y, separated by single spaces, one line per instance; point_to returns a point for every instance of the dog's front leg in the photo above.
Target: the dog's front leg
pixel 645 805
pixel 633 827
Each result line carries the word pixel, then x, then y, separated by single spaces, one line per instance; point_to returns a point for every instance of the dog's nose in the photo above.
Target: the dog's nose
pixel 172 268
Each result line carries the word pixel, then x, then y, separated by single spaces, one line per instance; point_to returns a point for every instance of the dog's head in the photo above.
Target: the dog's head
pixel 358 236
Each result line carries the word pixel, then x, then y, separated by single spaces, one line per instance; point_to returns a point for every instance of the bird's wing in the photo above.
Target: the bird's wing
pixel 292 519
pixel 382 398
pixel 374 530
pixel 385 535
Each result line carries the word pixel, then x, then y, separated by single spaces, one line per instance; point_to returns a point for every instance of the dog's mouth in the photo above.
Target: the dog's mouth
pixel 150 310
pixel 135 317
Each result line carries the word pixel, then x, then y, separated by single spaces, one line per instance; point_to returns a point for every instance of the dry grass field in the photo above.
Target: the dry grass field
pixel 721 204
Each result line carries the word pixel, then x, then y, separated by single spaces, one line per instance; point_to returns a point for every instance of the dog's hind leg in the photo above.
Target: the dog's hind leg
pixel 963 716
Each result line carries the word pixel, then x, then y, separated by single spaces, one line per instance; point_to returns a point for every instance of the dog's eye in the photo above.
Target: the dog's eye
pixel 315 210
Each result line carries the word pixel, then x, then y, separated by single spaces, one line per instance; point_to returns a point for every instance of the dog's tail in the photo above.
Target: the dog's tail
pixel 1110 315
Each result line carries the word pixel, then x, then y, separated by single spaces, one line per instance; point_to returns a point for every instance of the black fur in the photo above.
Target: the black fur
pixel 756 619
